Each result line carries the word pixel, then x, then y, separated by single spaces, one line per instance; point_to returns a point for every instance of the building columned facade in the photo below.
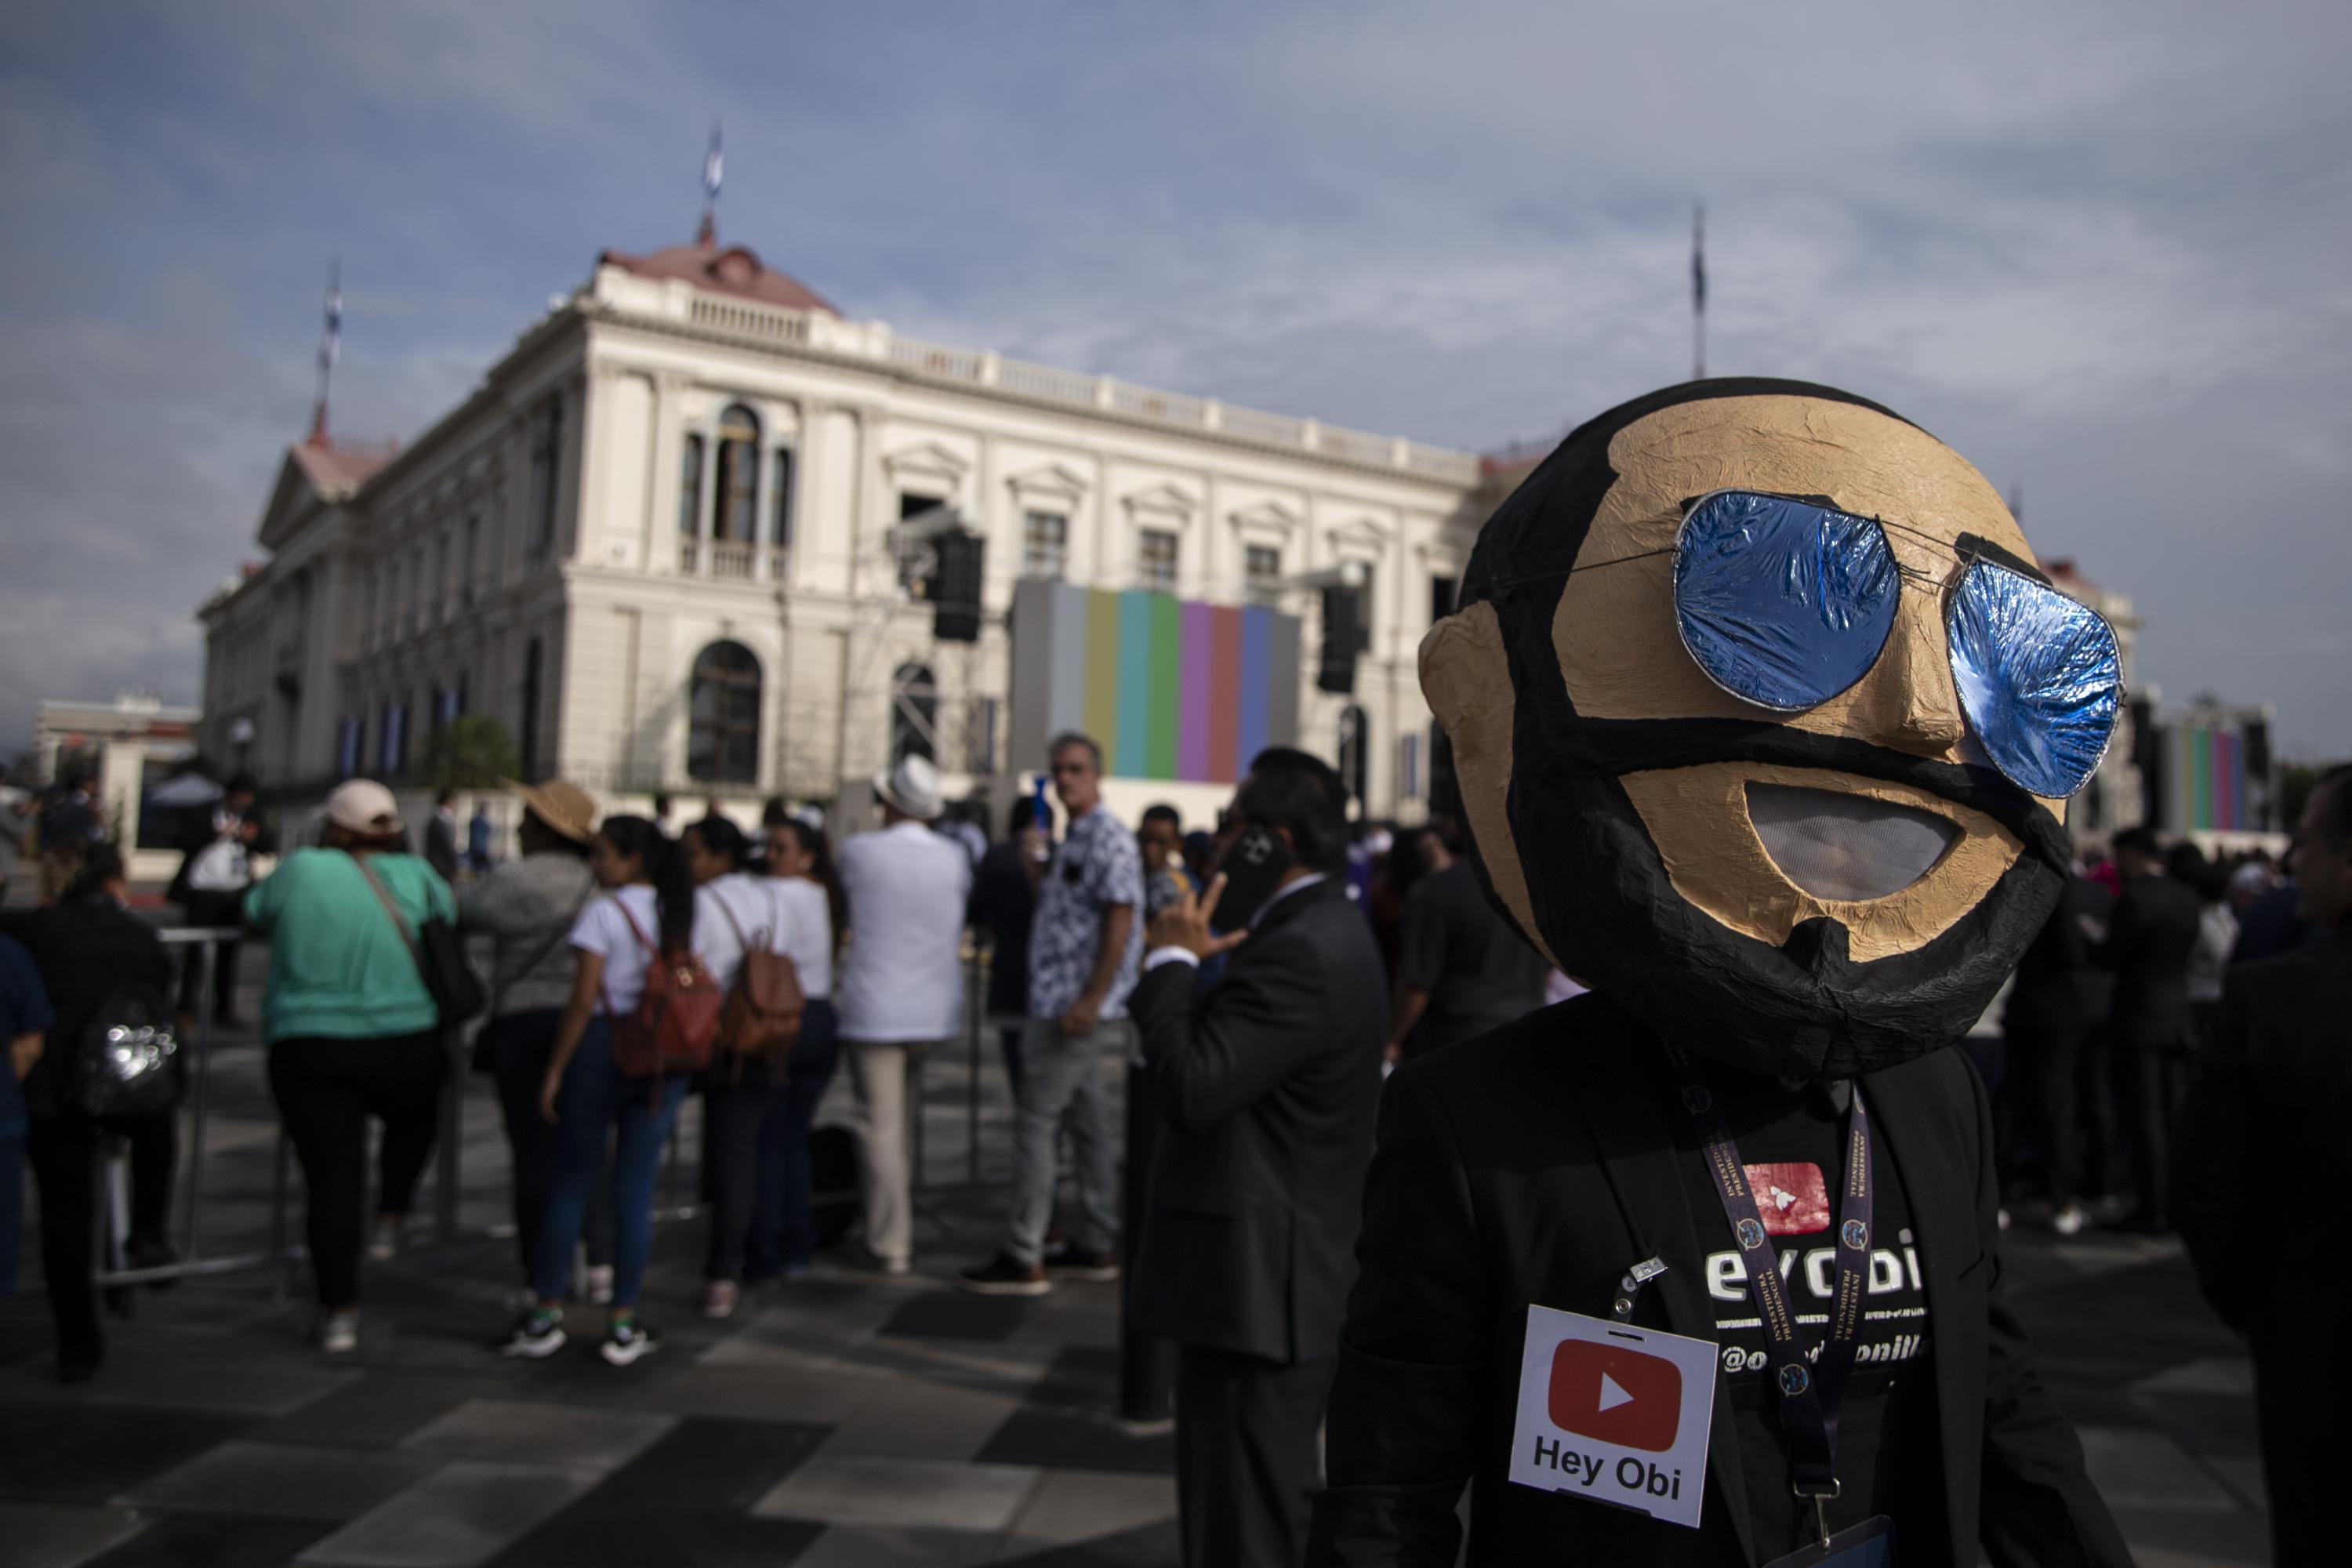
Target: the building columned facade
pixel 662 543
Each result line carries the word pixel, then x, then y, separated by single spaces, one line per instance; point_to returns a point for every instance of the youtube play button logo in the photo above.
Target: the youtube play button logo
pixel 1613 1394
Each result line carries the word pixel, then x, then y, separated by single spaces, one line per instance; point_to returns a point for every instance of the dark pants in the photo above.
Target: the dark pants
pixel 12 1205
pixel 64 1153
pixel 2096 1090
pixel 326 1088
pixel 735 1109
pixel 2154 1078
pixel 518 1047
pixel 2047 1058
pixel 1246 1467
pixel 783 1231
pixel 212 909
pixel 1008 1040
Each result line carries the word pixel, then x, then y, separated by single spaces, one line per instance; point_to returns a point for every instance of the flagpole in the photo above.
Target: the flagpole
pixel 1698 293
pixel 330 349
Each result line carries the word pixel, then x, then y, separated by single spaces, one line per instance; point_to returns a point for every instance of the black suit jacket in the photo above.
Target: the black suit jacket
pixel 1268 1085
pixel 1533 1165
pixel 2261 1156
pixel 86 949
pixel 2148 945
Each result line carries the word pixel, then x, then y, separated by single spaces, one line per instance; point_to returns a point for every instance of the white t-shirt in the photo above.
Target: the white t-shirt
pixel 601 929
pixel 757 910
pixel 904 976
pixel 808 932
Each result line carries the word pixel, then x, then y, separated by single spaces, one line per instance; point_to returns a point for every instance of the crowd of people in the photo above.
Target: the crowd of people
pixel 625 953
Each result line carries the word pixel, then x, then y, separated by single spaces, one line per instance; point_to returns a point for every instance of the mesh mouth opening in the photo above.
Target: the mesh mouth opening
pixel 1849 848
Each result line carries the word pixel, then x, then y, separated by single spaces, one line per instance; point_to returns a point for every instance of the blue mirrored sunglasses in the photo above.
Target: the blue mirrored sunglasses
pixel 1787 602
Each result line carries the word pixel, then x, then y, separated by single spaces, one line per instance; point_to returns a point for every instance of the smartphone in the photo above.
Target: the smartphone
pixel 1252 869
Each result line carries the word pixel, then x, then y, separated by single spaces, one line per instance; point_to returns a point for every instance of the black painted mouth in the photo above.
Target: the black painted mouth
pixel 1849 848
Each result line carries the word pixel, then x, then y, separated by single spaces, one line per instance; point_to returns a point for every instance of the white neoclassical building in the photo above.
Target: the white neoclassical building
pixel 657 543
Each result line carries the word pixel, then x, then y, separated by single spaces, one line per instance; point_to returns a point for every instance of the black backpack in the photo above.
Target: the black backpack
pixel 129 1060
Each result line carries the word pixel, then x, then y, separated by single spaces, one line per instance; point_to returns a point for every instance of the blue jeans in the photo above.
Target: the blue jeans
pixel 595 1101
pixel 783 1232
pixel 1061 1074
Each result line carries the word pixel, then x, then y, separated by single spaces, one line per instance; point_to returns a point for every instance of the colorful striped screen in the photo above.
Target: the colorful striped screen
pixel 1172 690
pixel 2206 787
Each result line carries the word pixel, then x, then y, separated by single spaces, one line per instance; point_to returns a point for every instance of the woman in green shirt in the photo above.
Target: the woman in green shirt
pixel 351 1030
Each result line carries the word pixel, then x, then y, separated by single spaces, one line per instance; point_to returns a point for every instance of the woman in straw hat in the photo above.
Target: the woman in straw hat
pixel 527 907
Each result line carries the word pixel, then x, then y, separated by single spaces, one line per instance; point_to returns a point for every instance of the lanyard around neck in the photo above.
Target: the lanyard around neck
pixel 1810 1390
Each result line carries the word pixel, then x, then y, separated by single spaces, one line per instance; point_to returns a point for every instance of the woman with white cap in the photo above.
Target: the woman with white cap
pixel 351 1030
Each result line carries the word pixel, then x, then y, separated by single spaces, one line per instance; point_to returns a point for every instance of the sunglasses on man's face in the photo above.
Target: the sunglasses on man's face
pixel 1786 601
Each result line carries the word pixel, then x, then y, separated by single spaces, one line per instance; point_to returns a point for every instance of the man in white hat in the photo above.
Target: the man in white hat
pixel 902 989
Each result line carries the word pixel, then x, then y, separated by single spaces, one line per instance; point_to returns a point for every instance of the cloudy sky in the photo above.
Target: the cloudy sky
pixel 2100 248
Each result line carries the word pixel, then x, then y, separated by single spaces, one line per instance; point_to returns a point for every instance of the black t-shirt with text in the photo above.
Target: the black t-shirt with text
pixel 1792 1141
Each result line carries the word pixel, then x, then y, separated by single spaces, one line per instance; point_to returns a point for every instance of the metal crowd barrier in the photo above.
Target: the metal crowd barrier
pixel 199 944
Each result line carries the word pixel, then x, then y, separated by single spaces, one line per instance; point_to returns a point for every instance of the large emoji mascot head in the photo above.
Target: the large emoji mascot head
pixel 1764 720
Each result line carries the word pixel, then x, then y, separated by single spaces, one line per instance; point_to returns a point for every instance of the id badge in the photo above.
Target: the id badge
pixel 1613 1413
pixel 1870 1544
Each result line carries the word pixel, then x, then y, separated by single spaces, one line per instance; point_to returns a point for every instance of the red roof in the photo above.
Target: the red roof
pixel 336 472
pixel 734 270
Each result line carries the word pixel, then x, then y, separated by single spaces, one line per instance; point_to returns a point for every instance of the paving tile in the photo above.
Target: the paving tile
pixel 1081 1377
pixel 88 1453
pixel 1056 1440
pixel 880 1546
pixel 916 1494
pixel 570 1434
pixel 2207 1424
pixel 463 1514
pixel 2211 1374
pixel 1085 1505
pixel 1150 1546
pixel 958 1315
pixel 921 1420
pixel 378 1410
pixel 2139 1468
pixel 1003 1365
pixel 2237 1539
pixel 2242 1474
pixel 760 1393
pixel 59 1535
pixel 165 1370
pixel 213 1541
pixel 277 1480
pixel 705 1465
pixel 661 1536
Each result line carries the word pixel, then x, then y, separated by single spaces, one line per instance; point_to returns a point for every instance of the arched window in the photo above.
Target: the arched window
pixel 914 713
pixel 723 743
pixel 735 515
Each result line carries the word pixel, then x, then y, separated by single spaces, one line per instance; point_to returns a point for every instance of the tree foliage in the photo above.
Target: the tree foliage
pixel 469 752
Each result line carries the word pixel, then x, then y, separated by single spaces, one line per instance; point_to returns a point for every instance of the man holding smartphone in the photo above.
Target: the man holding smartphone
pixel 1266 1084
pixel 1084 942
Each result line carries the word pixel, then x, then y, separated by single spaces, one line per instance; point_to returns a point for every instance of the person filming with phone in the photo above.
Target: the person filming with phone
pixel 1266 1084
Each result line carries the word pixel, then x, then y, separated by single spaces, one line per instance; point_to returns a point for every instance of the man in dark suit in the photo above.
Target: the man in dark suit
pixel 441 836
pixel 2147 946
pixel 2261 1143
pixel 1266 1086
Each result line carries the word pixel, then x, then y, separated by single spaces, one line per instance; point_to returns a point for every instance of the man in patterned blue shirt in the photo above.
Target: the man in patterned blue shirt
pixel 1085 942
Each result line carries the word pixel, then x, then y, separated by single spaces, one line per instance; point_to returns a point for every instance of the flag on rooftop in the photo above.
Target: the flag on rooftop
pixel 711 161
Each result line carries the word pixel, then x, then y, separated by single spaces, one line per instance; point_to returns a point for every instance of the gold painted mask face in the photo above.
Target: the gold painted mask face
pixel 1815 891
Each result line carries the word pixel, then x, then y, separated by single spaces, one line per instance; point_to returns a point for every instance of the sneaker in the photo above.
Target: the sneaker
pixel 1003 1275
pixel 339 1332
pixel 536 1336
pixel 596 1285
pixel 384 1244
pixel 719 1297
pixel 2070 1220
pixel 628 1343
pixel 1077 1263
